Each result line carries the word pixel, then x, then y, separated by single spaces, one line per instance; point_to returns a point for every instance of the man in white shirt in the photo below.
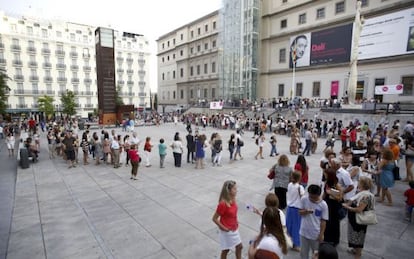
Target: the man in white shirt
pixel 344 179
pixel 135 140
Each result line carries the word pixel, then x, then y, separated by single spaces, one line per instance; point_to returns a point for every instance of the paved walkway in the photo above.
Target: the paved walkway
pixel 98 212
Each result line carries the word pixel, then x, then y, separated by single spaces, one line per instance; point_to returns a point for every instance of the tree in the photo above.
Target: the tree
pixel 46 106
pixel 4 91
pixel 68 101
pixel 118 99
pixel 156 102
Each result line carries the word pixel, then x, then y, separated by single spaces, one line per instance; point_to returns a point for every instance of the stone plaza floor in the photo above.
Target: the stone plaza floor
pixel 98 212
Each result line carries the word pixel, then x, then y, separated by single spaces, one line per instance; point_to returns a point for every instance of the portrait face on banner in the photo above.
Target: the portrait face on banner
pixel 300 50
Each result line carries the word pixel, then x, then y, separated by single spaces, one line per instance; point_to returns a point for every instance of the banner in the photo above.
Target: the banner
pixel 389 89
pixel 387 35
pixel 216 105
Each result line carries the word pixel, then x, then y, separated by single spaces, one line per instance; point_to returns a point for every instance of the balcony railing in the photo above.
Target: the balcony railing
pixel 17 63
pixel 32 64
pixel 47 79
pixel 45 51
pixel 74 80
pixel 88 105
pixel 130 60
pixel 21 106
pixel 1 45
pixel 18 77
pixel 86 56
pixel 85 93
pixel 120 70
pixel 74 67
pixel 35 105
pixel 47 65
pixel 141 62
pixel 15 48
pixel 31 49
pixel 141 72
pixel 141 84
pixel 2 61
pixel 60 53
pixel 119 59
pixel 50 92
pixel 34 78
pixel 73 54
pixel 60 66
pixel 86 68
pixel 87 81
pixel 130 82
pixel 142 94
pixel 130 71
pixel 62 79
pixel 33 92
pixel 120 82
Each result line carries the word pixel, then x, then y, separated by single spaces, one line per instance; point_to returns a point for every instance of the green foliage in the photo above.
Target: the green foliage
pixel 46 105
pixel 4 91
pixel 68 102
pixel 118 99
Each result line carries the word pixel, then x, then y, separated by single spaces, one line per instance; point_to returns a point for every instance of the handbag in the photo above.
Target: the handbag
pixel 342 212
pixel 271 175
pixel 366 217
pixel 289 242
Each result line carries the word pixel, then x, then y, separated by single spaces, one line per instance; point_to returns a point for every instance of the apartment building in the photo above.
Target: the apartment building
pixel 385 52
pixel 45 57
pixel 188 63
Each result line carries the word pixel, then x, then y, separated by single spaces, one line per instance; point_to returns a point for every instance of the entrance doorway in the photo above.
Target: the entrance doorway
pixel 359 93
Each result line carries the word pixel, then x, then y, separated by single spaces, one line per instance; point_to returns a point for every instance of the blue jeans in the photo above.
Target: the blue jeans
pixel 274 150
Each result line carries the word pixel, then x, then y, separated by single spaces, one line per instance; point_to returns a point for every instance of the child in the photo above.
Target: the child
pixel 409 203
pixel 293 197
pixel 135 159
pixel 314 212
pixel 225 218
pixel 162 151
pixel 147 150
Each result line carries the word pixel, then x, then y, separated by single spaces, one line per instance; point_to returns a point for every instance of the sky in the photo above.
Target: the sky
pixel 152 18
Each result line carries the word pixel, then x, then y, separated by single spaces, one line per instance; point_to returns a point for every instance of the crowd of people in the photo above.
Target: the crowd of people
pixel 352 181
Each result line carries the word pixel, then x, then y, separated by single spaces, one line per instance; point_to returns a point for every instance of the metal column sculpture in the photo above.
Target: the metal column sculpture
pixel 353 74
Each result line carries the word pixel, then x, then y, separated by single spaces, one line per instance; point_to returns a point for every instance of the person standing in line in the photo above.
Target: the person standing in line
pixel 260 142
pixel 333 197
pixel 303 168
pixel 69 147
pixel 314 213
pixel 190 146
pixel 127 147
pixel 218 147
pixel 115 147
pixel 10 141
pixel 294 194
pixel 273 141
pixel 308 141
pixel 385 168
pixel 147 149
pixel 314 141
pixel 51 140
pixel 162 151
pixel 281 180
pixel 98 148
pixel 239 145
pixel 200 153
pixel 232 144
pixel 225 217
pixel 85 147
pixel 177 147
pixel 134 156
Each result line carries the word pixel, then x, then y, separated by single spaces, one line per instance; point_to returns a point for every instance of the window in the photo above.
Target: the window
pixel 44 33
pixel 214 25
pixel 205 92
pixel 205 46
pixel 316 89
pixel 168 43
pixel 214 43
pixel 29 30
pixel 340 7
pixel 299 89
pixel 198 69
pixel 192 34
pixel 162 46
pixel 284 1
pixel 283 23
pixel 15 41
pixel 213 67
pixel 191 94
pixel 320 13
pixel 163 76
pixel 181 94
pixel 191 71
pixel 213 92
pixel 173 94
pixel 302 18
pixel 282 55
pixel 364 3
pixel 181 53
pixel 162 59
pixel 281 90
pixel 72 37
pixel 85 38
pixel 173 56
pixel 174 74
pixel 182 36
pixel 181 72
pixel 408 82
pixel 191 50
pixel 205 68
pixel 198 48
pixel 206 28
pixel 199 31
pixel 173 41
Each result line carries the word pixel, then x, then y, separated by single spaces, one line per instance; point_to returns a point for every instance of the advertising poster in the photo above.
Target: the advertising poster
pixel 387 35
pixel 299 50
pixel 216 105
pixel 331 45
pixel 389 89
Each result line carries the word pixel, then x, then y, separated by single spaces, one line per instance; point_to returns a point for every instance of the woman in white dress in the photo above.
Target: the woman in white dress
pixel 10 141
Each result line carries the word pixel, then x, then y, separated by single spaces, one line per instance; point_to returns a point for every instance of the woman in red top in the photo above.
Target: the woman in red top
pixel 302 167
pixel 147 150
pixel 225 218
pixel 134 157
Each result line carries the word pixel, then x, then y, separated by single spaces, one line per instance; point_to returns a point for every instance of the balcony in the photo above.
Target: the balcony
pixel 18 78
pixel 142 94
pixel 29 92
pixel 86 68
pixel 62 79
pixel 1 45
pixel 141 73
pixel 60 66
pixel 127 94
pixel 141 62
pixel 87 81
pixel 74 67
pixel 130 71
pixel 85 93
pixel 130 82
pixel 141 84
pixel 34 78
pixel 48 79
pixel 32 64
pixel 119 59
pixel 120 82
pixel 2 62
pixel 50 92
pixel 73 54
pixel 35 105
pixel 129 60
pixel 15 48
pixel 17 63
pixel 60 53
pixel 21 106
pixel 89 105
pixel 46 52
pixel 120 70
pixel 86 56
pixel 31 49
pixel 47 65
pixel 74 80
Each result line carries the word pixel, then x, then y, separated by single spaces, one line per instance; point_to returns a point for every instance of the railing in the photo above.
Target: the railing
pixel 74 80
pixel 130 82
pixel 87 81
pixel 87 68
pixel 34 78
pixel 73 54
pixel 60 66
pixel 15 47
pixel 62 79
pixel 45 51
pixel 120 70
pixel 32 64
pixel 130 71
pixel 47 79
pixel 60 52
pixel 17 63
pixel 18 77
pixel 47 65
pixel 31 49
pixel 74 67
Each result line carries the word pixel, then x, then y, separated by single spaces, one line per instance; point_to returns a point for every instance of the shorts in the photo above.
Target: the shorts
pixel 70 154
